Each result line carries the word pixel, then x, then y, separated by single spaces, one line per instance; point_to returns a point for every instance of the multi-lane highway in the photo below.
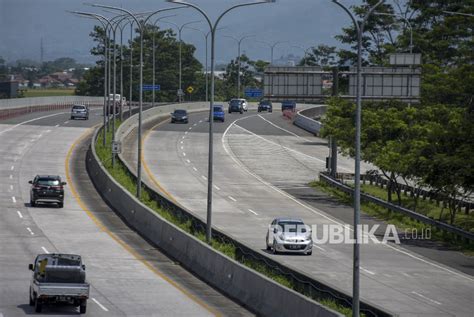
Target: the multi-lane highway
pixel 128 276
pixel 259 158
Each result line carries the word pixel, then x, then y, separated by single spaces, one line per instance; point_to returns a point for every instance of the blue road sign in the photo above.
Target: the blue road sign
pixel 151 87
pixel 253 92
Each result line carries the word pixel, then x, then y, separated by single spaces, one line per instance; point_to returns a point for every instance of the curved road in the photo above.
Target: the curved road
pixel 260 159
pixel 128 276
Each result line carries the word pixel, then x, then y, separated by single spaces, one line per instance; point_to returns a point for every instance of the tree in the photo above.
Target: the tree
pixel 3 69
pixel 321 55
pixel 247 76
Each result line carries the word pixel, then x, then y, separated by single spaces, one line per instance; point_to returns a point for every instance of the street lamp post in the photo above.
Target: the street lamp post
pixel 272 47
pixel 239 42
pixel 180 30
pixel 305 50
pixel 213 28
pixel 206 35
pixel 140 103
pixel 105 24
pixel 359 26
pixel 153 52
pixel 405 20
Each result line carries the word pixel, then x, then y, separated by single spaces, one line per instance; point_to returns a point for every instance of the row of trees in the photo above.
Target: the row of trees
pixel 430 144
pixel 167 66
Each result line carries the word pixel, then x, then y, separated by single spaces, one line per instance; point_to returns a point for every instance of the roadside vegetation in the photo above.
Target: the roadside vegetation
pixel 402 222
pixel 121 174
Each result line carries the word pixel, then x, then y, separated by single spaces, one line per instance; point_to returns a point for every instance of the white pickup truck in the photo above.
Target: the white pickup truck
pixel 58 279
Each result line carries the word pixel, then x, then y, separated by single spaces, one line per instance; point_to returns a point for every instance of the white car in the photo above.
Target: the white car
pixel 289 235
pixel 244 104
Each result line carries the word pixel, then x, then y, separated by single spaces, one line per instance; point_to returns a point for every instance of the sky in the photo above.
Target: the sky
pixel 306 23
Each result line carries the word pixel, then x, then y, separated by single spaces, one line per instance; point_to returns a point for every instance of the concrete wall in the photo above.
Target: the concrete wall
pixel 46 101
pixel 304 119
pixel 248 287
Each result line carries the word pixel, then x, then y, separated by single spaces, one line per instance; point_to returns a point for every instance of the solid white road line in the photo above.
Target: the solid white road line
pixel 253 212
pixel 99 304
pixel 318 212
pixel 28 121
pixel 45 250
pixel 318 247
pixel 19 214
pixel 30 231
pixel 232 198
pixel 14 199
pixel 287 131
pixel 428 299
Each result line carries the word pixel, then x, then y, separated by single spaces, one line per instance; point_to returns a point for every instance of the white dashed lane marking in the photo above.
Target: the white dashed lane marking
pixel 253 212
pixel 12 168
pixel 188 161
pixel 45 250
pixel 232 198
pixel 195 169
pixel 19 214
pixel 99 304
pixel 204 177
pixel 428 299
pixel 14 199
pixel 30 231
pixel 217 187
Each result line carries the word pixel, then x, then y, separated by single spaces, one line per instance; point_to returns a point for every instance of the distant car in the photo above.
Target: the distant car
pixel 289 235
pixel 47 189
pixel 218 113
pixel 244 104
pixel 179 116
pixel 265 105
pixel 288 105
pixel 235 105
pixel 79 111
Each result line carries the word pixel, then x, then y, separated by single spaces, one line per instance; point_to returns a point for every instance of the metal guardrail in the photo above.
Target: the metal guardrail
pixel 407 212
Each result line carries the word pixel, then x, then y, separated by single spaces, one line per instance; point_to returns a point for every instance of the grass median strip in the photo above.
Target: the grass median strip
pixel 121 174
pixel 402 222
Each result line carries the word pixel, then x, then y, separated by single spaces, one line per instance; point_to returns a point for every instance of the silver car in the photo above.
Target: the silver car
pixel 289 235
pixel 79 111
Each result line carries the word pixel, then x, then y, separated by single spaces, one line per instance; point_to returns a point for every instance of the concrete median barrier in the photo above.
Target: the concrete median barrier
pixel 305 119
pixel 253 290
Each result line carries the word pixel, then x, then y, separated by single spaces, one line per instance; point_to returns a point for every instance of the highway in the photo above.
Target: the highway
pixel 259 159
pixel 128 276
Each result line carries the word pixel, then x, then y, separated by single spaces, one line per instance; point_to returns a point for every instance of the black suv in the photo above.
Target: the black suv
pixel 47 189
pixel 235 105
pixel 265 105
pixel 179 116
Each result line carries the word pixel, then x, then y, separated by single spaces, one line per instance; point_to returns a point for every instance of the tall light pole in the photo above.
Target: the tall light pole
pixel 359 26
pixel 153 58
pixel 405 20
pixel 140 104
pixel 272 48
pixel 239 42
pixel 305 50
pixel 213 28
pixel 106 25
pixel 206 35
pixel 180 30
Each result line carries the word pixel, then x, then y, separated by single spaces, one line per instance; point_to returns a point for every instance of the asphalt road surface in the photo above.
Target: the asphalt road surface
pixel 259 158
pixel 128 276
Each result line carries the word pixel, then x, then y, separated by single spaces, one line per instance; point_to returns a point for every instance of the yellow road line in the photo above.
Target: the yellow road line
pixel 135 254
pixel 147 169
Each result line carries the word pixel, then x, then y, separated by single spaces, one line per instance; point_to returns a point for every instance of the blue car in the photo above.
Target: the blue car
pixel 219 113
